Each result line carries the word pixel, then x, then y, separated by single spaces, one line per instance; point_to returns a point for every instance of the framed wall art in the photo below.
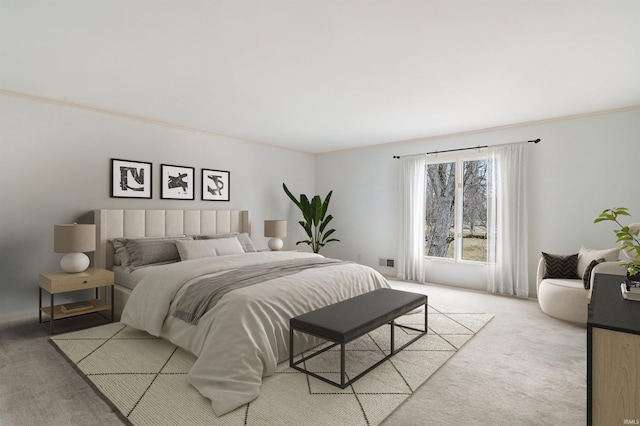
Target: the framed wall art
pixel 130 179
pixel 177 182
pixel 216 185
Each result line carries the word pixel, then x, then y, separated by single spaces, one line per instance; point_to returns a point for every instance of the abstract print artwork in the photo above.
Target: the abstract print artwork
pixel 176 182
pixel 215 185
pixel 130 179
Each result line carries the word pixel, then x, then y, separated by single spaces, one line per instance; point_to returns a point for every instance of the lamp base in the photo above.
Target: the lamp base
pixel 74 262
pixel 275 244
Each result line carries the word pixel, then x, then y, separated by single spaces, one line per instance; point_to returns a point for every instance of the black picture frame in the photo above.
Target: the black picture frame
pixel 177 182
pixel 216 185
pixel 131 179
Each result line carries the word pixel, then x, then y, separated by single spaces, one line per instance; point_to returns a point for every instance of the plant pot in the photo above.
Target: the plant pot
pixel 633 280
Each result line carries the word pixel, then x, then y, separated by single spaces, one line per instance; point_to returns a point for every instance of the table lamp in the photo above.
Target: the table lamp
pixel 74 240
pixel 276 229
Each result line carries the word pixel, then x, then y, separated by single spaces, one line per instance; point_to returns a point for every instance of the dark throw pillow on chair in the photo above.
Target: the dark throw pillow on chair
pixel 560 266
pixel 587 273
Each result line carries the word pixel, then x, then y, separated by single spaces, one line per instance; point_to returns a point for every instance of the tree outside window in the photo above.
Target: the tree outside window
pixel 456 210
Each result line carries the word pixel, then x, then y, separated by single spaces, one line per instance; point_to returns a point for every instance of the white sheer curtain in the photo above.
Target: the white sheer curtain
pixel 507 220
pixel 412 206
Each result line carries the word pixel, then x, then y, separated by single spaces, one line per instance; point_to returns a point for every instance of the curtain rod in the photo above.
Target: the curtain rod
pixel 459 149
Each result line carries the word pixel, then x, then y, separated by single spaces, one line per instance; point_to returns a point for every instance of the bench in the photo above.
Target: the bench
pixel 345 321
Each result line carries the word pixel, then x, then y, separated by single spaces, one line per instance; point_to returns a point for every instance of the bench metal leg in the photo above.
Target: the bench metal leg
pixel 392 323
pixel 290 346
pixel 342 367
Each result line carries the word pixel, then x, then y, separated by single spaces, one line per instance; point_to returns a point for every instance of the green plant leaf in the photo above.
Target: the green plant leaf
pixel 325 222
pixel 325 205
pixel 294 199
pixel 628 239
pixel 326 235
pixel 307 228
pixel 316 210
pixel 304 201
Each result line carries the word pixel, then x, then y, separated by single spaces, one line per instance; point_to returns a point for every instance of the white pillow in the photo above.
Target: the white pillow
pixel 243 238
pixel 587 255
pixel 197 249
pixel 225 246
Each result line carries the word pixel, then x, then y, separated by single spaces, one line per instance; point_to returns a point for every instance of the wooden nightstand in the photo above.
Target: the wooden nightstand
pixel 62 282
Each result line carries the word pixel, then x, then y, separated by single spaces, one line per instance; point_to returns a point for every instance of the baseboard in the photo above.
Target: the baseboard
pixel 18 318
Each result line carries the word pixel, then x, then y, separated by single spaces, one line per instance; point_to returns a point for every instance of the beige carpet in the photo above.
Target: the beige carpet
pixel 145 378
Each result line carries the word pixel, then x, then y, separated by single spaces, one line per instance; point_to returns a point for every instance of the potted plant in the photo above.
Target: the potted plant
pixel 315 220
pixel 628 236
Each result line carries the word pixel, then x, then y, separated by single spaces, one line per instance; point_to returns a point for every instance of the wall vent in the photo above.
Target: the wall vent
pixel 389 263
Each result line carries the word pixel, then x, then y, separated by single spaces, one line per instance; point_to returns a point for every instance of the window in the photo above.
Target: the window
pixel 456 205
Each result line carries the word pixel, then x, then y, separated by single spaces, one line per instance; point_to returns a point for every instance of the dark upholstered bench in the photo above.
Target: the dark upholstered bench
pixel 345 321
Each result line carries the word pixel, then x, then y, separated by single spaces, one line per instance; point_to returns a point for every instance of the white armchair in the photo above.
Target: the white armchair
pixel 612 268
pixel 566 299
pixel 562 298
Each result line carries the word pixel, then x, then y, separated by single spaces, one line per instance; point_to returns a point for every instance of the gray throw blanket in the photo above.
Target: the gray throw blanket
pixel 203 295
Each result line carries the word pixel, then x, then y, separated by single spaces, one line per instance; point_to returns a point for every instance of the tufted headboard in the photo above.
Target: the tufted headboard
pixel 160 223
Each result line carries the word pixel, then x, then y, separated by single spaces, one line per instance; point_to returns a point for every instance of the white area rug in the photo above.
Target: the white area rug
pixel 145 378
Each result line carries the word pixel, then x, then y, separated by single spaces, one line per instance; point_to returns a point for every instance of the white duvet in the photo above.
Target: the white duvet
pixel 246 334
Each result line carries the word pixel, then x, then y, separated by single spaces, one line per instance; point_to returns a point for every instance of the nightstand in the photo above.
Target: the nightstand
pixel 62 282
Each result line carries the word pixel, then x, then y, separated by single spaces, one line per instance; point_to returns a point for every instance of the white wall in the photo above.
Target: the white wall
pixel 581 167
pixel 55 167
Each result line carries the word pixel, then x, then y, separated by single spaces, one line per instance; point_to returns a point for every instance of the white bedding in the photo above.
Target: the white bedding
pixel 246 334
pixel 125 277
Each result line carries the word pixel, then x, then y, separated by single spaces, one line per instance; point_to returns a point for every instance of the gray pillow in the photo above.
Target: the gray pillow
pixel 137 252
pixel 586 278
pixel 120 255
pixel 148 252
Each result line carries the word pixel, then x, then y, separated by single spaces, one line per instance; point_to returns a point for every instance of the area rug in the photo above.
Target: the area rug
pixel 145 378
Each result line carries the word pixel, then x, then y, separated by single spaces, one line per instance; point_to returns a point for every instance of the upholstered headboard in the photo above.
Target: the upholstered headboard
pixel 161 223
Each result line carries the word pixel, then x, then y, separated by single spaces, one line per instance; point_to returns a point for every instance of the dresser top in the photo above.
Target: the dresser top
pixel 608 309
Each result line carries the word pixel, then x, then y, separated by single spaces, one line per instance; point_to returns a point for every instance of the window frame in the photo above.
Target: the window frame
pixel 459 160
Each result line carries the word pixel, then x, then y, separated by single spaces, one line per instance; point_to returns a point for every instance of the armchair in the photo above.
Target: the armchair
pixel 565 298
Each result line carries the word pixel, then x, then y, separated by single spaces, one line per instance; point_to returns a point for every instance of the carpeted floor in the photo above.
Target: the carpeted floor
pixel 145 377
pixel 523 368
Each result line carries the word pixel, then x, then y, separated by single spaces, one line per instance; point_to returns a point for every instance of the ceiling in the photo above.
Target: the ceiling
pixel 325 75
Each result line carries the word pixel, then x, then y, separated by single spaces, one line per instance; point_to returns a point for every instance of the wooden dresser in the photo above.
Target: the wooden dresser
pixel 613 355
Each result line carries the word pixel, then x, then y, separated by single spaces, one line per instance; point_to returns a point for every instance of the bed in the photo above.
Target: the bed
pixel 240 331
